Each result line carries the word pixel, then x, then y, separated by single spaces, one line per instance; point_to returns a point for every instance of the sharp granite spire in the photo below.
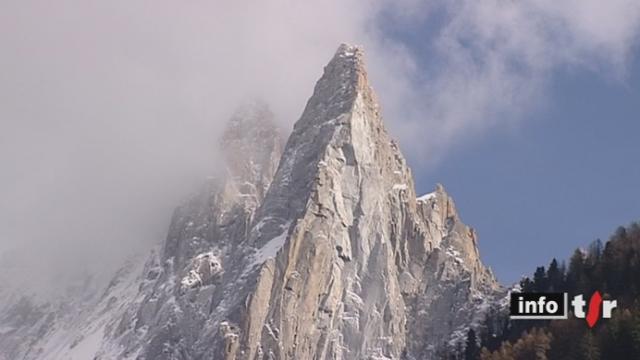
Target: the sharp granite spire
pixel 318 250
pixel 252 145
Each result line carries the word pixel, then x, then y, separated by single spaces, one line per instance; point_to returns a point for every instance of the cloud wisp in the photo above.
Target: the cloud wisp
pixel 491 62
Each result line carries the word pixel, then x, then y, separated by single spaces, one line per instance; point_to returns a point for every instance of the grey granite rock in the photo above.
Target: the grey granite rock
pixel 316 250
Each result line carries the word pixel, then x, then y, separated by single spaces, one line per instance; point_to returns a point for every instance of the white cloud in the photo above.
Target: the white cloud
pixel 110 110
pixel 495 58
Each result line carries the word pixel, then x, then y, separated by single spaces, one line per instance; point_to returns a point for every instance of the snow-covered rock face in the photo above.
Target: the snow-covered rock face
pixel 318 250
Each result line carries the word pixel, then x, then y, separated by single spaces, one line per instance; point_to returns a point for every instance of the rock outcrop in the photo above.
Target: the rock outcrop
pixel 319 249
pixel 338 259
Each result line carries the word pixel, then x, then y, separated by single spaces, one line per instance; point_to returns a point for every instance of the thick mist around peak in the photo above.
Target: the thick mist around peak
pixel 110 112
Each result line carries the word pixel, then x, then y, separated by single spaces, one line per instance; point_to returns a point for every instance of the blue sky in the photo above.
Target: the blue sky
pixel 565 175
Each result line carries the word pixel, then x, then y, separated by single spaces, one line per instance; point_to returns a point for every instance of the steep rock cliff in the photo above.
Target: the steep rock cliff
pixel 317 249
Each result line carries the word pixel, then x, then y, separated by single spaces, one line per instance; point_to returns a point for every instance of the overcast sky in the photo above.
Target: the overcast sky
pixel 110 110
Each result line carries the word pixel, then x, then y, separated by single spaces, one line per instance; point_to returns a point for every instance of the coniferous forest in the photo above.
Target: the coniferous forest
pixel 612 268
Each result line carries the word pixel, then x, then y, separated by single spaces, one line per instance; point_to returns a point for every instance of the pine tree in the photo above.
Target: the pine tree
pixel 485 354
pixel 540 283
pixel 595 250
pixel 506 352
pixel 526 285
pixel 635 331
pixel 589 347
pixel 575 275
pixel 555 277
pixel 471 351
pixel 542 344
pixel 563 338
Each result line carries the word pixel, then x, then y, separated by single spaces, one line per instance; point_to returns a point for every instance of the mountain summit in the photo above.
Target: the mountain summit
pixel 325 254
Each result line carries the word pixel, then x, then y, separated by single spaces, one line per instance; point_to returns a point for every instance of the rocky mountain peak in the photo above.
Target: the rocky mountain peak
pixel 344 78
pixel 346 65
pixel 249 118
pixel 319 251
pixel 354 259
pixel 252 145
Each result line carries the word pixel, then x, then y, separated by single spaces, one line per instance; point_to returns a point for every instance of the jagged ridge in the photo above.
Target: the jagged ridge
pixel 331 256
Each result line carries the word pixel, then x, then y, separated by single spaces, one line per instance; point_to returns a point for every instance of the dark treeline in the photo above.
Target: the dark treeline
pixel 613 269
